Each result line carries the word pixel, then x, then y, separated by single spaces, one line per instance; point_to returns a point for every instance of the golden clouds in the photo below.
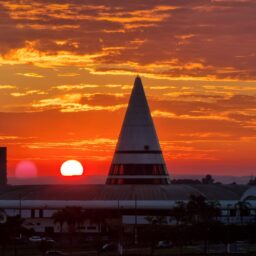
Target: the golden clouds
pixel 34 11
pixel 26 93
pixel 70 87
pixel 7 87
pixel 165 114
pixel 84 145
pixel 185 37
pixel 139 18
pixel 69 74
pixel 29 55
pixel 156 40
pixel 71 103
pixel 30 75
pixel 8 137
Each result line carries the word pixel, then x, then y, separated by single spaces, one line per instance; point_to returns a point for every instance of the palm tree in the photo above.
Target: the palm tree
pixel 214 210
pixel 242 208
pixel 74 217
pixel 195 208
pixel 155 222
pixel 199 210
pixel 59 218
pixel 179 212
pixel 203 215
pixel 99 217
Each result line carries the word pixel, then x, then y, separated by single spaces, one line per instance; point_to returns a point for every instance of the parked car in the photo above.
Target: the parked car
pixel 164 244
pixel 109 247
pixel 35 239
pixel 54 253
pixel 20 240
pixel 48 239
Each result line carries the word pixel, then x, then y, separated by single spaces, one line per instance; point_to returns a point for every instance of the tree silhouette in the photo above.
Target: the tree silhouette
pixel 202 215
pixel 59 217
pixel 9 230
pixel 242 208
pixel 73 217
pixel 155 221
pixel 208 179
pixel 179 212
pixel 199 210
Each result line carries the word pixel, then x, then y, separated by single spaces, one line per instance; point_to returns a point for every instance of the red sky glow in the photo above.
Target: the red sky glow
pixel 67 69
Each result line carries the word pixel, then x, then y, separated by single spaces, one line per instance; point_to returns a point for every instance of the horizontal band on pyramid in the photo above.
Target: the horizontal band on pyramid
pixel 138 152
pixel 138 176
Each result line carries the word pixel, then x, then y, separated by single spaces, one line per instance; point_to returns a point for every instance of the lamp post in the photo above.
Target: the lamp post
pixel 20 205
pixel 135 226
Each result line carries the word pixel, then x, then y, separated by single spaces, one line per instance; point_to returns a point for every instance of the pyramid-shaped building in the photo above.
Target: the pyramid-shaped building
pixel 138 158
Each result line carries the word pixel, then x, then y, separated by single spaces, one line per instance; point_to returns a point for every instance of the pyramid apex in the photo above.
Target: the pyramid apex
pixel 137 80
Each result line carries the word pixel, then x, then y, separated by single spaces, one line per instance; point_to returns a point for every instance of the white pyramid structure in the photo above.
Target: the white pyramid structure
pixel 138 157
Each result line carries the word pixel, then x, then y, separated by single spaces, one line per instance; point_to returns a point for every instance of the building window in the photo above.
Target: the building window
pixel 32 213
pixel 146 147
pixel 91 228
pixel 41 213
pixel 245 212
pixel 232 212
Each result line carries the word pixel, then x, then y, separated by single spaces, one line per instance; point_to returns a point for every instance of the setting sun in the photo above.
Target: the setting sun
pixel 71 168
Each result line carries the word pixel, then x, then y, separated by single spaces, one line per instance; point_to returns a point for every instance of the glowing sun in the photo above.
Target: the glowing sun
pixel 71 168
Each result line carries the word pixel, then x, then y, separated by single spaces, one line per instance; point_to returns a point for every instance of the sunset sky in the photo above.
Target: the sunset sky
pixel 67 68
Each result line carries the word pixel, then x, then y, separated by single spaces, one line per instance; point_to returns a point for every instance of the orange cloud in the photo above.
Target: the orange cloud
pixel 30 75
pixel 29 92
pixel 7 86
pixel 71 103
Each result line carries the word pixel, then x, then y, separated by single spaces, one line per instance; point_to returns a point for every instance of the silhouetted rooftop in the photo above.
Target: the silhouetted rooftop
pixel 123 192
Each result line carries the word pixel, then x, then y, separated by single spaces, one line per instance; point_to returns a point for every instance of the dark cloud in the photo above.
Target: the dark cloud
pixel 217 34
pixel 195 107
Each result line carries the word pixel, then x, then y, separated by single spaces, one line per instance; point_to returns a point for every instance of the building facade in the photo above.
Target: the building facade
pixel 3 166
pixel 37 204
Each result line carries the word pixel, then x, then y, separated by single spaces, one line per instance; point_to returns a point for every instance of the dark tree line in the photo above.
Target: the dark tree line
pixel 197 222
pixel 9 231
pixel 208 179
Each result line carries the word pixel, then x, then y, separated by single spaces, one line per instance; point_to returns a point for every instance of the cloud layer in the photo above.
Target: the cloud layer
pixel 204 39
pixel 67 70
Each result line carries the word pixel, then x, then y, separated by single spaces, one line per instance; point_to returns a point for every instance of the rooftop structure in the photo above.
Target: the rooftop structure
pixel 109 196
pixel 3 165
pixel 36 204
pixel 138 157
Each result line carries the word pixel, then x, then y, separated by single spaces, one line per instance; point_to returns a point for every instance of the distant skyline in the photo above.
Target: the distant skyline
pixel 67 69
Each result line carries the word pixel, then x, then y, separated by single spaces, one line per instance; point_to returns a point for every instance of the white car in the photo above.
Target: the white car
pixel 48 239
pixel 35 239
pixel 164 244
pixel 54 253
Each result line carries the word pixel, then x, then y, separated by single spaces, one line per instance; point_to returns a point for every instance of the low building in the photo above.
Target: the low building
pixel 37 203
